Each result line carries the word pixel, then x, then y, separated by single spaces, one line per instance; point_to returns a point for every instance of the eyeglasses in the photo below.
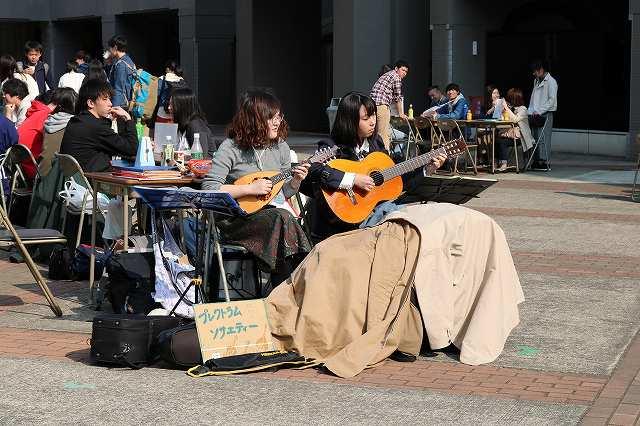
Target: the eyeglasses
pixel 277 119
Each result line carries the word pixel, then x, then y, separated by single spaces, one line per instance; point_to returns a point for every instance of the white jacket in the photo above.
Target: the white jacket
pixel 32 86
pixel 544 97
pixel 71 79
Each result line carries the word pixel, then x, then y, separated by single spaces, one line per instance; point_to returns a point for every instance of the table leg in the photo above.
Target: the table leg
pixel 515 146
pixel 92 257
pixel 493 150
pixel 125 221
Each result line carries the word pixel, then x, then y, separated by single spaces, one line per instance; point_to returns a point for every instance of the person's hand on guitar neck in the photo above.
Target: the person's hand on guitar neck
pixel 435 164
pixel 299 173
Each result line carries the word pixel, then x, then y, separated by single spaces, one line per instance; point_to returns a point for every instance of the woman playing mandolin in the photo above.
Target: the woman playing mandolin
pixel 355 133
pixel 256 143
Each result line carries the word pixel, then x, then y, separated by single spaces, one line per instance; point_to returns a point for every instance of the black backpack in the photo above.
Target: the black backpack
pixel 60 264
pixel 165 88
pixel 132 279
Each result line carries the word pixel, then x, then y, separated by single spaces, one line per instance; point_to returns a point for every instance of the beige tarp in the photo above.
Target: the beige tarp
pixel 348 303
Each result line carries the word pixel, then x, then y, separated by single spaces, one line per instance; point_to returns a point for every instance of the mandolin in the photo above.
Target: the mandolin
pixel 354 205
pixel 253 203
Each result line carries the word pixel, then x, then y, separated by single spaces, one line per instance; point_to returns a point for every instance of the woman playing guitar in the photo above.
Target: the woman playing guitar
pixel 256 142
pixel 355 133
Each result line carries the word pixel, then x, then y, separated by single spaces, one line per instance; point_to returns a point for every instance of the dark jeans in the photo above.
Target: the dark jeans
pixel 502 148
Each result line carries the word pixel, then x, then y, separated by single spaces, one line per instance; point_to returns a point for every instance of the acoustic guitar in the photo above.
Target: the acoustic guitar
pixel 253 203
pixel 354 205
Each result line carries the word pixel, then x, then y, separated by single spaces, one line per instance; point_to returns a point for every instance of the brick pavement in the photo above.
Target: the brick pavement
pixel 554 214
pixel 622 190
pixel 500 382
pixel 611 400
pixel 574 264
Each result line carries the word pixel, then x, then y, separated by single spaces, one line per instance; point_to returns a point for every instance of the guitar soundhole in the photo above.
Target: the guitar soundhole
pixel 377 177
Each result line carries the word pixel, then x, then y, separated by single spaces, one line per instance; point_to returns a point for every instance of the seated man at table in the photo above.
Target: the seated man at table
pixel 89 137
pixel 436 97
pixel 455 109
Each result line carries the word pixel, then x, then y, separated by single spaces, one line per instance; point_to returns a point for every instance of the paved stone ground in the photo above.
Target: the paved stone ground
pixel 574 358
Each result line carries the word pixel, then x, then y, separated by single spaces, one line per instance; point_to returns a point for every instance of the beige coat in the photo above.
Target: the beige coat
pixel 348 303
pixel 523 131
pixel 467 286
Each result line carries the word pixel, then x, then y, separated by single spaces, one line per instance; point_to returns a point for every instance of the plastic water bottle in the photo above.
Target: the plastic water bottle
pixel 139 129
pixel 167 153
pixel 196 148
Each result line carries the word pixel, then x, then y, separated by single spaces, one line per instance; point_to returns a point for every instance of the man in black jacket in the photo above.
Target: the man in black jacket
pixel 36 68
pixel 89 137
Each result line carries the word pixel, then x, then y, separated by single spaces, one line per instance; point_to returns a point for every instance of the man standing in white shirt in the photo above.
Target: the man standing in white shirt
pixel 543 103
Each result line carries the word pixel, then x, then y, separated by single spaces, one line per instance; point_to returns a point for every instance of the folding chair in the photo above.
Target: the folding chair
pixel 451 126
pixel 20 184
pixel 69 167
pixel 541 132
pixel 10 237
pixel 635 192
pixel 412 136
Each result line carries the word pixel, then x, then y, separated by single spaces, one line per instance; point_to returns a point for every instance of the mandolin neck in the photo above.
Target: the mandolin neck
pixel 283 175
pixel 412 164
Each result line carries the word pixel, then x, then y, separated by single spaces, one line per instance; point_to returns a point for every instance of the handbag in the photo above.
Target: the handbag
pixel 180 346
pixel 127 340
pixel 512 133
pixel 73 195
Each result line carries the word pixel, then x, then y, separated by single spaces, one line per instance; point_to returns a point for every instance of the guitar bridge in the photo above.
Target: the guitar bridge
pixel 352 196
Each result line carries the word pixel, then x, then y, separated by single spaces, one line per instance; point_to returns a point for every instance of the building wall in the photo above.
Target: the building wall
pixel 370 33
pixel 455 26
pixel 279 48
pixel 634 105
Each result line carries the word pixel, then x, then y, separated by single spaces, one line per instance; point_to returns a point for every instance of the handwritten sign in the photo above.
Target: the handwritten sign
pixel 232 328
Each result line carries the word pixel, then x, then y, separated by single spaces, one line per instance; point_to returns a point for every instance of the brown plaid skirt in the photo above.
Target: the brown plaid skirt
pixel 271 235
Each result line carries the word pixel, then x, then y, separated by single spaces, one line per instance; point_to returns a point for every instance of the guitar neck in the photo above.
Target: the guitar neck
pixel 412 164
pixel 285 174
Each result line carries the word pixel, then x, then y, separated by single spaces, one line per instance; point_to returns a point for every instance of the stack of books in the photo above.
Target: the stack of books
pixel 125 170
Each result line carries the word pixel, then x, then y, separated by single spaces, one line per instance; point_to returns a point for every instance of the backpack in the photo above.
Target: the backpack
pixel 144 94
pixel 165 88
pixel 60 264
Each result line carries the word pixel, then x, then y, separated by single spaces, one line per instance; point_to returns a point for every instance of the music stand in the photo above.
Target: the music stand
pixel 215 202
pixel 444 189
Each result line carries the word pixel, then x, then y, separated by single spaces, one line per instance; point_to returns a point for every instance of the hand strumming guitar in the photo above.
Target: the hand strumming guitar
pixel 363 182
pixel 260 187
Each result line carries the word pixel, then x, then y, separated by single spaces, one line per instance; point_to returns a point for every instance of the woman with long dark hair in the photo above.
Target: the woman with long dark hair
pixel 493 102
pixel 96 71
pixel 167 83
pixel 187 113
pixel 355 133
pixel 256 142
pixel 9 69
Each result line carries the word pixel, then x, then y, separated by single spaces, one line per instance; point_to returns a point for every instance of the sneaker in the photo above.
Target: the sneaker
pixel 502 167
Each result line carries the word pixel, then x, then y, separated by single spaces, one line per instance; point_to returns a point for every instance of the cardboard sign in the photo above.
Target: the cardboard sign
pixel 232 328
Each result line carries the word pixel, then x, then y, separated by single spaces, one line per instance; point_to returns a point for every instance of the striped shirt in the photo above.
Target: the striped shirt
pixel 387 89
